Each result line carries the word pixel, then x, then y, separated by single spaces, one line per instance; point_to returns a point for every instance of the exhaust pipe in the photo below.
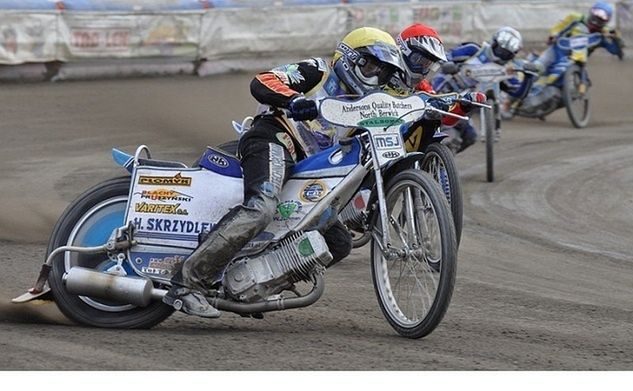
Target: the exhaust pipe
pixel 127 290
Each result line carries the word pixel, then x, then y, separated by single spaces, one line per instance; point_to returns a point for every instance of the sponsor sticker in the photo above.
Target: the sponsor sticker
pixel 218 160
pixel 163 266
pixel 387 141
pixel 287 209
pixel 176 180
pixel 165 195
pixel 313 191
pixel 167 209
pixel 391 154
pixel 286 140
pixel 154 224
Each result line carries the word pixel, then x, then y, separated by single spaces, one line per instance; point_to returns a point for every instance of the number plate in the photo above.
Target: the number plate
pixel 578 42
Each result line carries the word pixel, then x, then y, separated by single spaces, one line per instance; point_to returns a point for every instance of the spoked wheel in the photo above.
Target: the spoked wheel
pixel 414 278
pixel 440 163
pixel 89 221
pixel 576 96
pixel 488 123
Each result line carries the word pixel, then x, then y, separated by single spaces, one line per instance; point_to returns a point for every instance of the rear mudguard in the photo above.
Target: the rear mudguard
pixel 123 159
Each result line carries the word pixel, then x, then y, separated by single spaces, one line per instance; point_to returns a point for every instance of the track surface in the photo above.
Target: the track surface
pixel 545 276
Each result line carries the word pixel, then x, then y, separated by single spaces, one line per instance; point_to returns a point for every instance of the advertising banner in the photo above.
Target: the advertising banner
pixel 120 35
pixel 233 33
pixel 27 37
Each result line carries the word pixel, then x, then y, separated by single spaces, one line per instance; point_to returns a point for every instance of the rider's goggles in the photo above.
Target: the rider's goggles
pixel 502 53
pixel 371 67
pixel 598 18
pixel 419 63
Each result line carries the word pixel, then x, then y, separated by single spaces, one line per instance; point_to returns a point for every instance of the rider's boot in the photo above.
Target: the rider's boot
pixel 206 264
pixel 190 302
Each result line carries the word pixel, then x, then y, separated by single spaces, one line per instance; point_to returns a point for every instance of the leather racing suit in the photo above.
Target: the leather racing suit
pixel 268 151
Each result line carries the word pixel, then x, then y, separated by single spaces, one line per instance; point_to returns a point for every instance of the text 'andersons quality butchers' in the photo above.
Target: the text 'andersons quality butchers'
pixel 377 109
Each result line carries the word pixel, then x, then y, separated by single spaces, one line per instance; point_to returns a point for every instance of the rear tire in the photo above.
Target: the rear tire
pixel 88 221
pixel 576 102
pixel 440 163
pixel 427 233
pixel 229 147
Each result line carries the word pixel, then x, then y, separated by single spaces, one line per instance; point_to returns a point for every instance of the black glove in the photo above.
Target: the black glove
pixel 436 103
pixel 467 98
pixel 302 109
pixel 449 68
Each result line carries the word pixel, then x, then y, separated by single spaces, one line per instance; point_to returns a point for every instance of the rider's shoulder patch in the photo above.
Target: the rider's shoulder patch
pixel 322 65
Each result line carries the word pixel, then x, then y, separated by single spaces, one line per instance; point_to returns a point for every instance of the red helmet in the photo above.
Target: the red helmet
pixel 421 47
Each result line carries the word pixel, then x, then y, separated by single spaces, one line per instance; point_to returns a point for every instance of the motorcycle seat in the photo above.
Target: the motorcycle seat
pixel 160 163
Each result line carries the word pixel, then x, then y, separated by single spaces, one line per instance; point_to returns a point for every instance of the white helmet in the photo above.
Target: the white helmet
pixel 506 43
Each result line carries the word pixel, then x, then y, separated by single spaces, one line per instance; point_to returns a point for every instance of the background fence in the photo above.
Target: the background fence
pixel 83 38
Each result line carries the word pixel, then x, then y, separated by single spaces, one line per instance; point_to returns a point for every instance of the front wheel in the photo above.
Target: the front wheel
pixel 440 163
pixel 89 221
pixel 489 129
pixel 576 96
pixel 415 276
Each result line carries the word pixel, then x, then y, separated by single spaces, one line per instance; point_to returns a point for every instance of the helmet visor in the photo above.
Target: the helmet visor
pixel 419 62
pixel 598 18
pixel 502 53
pixel 376 71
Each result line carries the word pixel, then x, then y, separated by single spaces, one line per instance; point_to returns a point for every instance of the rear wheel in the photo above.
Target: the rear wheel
pixel 89 221
pixel 576 96
pixel 414 283
pixel 229 147
pixel 440 163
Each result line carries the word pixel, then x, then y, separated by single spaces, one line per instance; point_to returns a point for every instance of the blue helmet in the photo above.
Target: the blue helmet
pixel 599 15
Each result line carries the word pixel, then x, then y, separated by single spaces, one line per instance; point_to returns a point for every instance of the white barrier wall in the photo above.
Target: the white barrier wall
pixel 252 38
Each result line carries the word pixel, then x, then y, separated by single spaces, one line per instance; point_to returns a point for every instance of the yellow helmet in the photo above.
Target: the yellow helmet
pixel 366 59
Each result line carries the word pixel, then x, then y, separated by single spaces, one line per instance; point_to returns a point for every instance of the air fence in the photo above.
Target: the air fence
pixel 57 40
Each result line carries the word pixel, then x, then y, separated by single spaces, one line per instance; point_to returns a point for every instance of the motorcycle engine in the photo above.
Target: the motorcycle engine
pixel 543 103
pixel 353 214
pixel 293 260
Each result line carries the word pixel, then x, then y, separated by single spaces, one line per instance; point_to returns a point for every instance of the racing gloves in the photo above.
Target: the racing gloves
pixel 439 104
pixel 302 109
pixel 468 97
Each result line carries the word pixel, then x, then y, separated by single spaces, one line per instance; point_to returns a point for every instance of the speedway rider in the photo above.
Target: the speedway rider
pixel 578 24
pixel 422 50
pixel 364 60
pixel 505 43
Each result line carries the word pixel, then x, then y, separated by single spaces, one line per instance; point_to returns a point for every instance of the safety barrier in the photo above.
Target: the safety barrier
pixel 81 38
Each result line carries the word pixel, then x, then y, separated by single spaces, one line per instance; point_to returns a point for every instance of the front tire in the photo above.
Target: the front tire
pixel 440 163
pixel 422 228
pixel 489 124
pixel 89 221
pixel 576 96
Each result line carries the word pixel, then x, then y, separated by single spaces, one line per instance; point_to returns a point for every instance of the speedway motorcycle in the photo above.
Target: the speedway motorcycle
pixel 438 161
pixel 565 83
pixel 113 251
pixel 477 75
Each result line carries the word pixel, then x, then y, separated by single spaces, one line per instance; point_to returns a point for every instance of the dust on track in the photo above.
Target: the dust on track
pixel 545 266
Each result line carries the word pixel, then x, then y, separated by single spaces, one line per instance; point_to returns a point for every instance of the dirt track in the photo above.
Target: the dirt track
pixel 545 276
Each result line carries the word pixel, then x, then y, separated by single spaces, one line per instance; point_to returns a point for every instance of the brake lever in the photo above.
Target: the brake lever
pixel 446 113
pixel 477 104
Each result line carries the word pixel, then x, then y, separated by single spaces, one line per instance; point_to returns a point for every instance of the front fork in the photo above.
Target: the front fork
pixel 584 80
